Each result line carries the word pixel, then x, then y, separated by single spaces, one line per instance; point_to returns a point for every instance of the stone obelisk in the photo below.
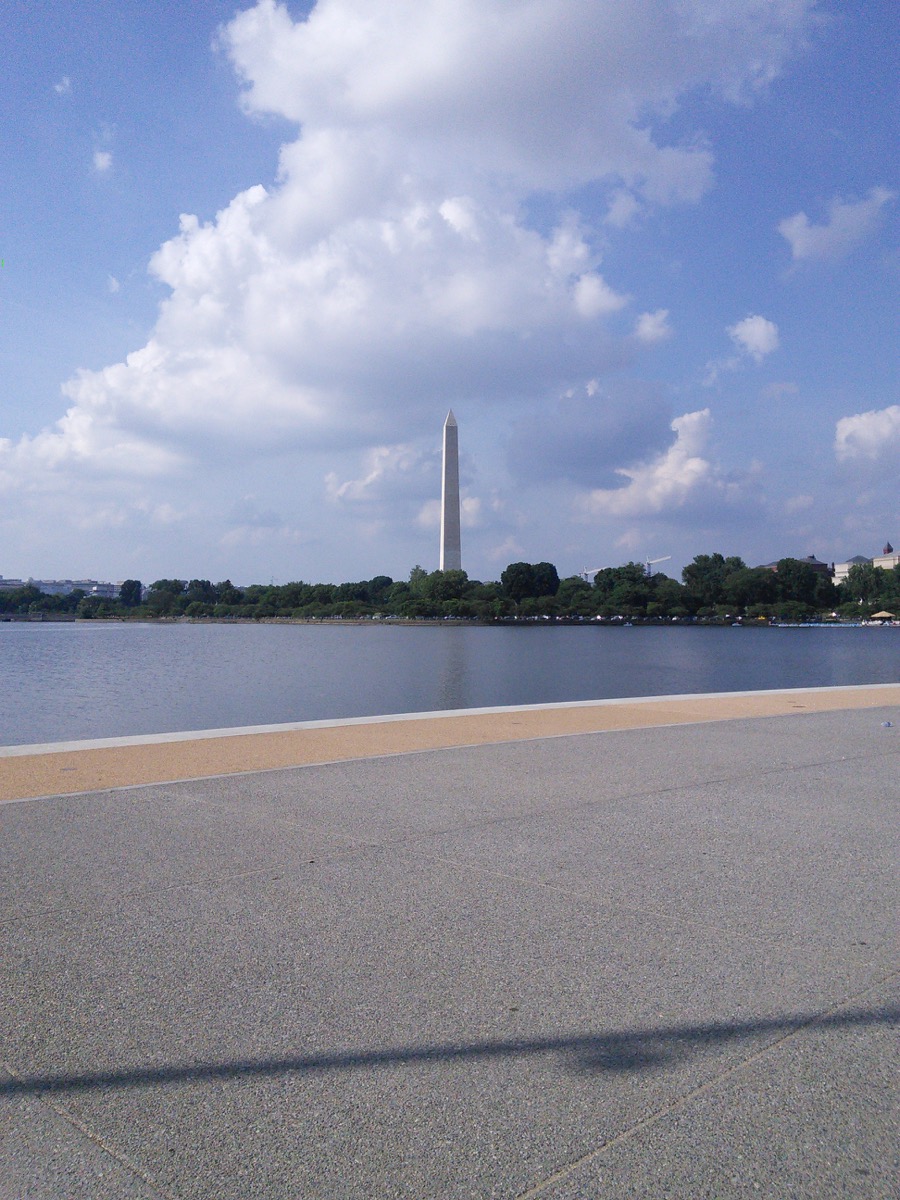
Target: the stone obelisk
pixel 451 553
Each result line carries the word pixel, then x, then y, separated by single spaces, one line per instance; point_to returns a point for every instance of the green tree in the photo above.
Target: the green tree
pixel 292 595
pixel 130 593
pixel 535 606
pixel 748 586
pixel 352 592
pixel 864 583
pixel 826 594
pixel 518 581
pixel 322 593
pixel 630 596
pixel 669 595
pixel 417 577
pixel 546 579
pixel 89 607
pixel 19 600
pixel 796 580
pixel 417 606
pixel 227 593
pixel 704 578
pixel 792 610
pixel 397 594
pixel 521 580
pixel 164 595
pixel 200 591
pixel 575 596
pixel 892 587
pixel 622 590
pixel 443 586
pixel 610 577
pixel 379 588
pixel 489 603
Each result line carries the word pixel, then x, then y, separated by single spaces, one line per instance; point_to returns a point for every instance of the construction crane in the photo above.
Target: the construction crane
pixel 650 563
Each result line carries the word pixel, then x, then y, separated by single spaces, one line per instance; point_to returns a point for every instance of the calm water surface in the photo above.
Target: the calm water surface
pixel 92 679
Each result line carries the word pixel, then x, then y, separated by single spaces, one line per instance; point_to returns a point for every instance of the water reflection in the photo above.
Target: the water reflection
pixel 454 673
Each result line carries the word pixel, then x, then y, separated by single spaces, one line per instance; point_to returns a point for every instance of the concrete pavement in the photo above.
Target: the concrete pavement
pixel 640 962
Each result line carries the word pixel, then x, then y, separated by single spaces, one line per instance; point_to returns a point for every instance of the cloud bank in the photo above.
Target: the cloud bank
pixel 391 260
pixel 427 241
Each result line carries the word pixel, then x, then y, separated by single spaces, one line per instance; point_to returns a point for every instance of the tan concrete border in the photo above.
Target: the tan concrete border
pixel 31 772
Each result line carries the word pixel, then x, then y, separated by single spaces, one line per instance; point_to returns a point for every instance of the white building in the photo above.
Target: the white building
pixel 887 559
pixel 106 591
pixel 63 587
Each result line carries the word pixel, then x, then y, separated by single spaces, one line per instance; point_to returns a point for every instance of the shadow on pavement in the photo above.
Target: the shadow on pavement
pixel 638 1050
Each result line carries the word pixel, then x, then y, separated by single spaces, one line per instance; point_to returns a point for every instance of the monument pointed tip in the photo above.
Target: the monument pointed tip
pixel 451 420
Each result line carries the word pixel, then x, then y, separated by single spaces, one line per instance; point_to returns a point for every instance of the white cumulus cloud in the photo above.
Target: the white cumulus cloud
pixel 754 336
pixel 653 327
pixel 383 467
pixel 663 483
pixel 549 92
pixel 869 436
pixel 849 223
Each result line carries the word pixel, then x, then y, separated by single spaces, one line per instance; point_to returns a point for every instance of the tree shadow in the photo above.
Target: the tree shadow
pixel 639 1050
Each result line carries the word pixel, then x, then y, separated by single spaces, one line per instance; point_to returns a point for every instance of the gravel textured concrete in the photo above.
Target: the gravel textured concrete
pixel 646 962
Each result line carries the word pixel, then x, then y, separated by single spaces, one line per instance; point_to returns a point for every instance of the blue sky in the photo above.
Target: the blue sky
pixel 646 249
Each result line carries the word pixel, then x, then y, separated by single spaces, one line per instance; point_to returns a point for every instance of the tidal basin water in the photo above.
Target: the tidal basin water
pixel 98 679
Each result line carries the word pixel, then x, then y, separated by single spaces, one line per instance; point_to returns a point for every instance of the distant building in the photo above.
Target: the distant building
pixel 820 568
pixel 53 587
pixel 63 587
pixel 106 591
pixel 886 560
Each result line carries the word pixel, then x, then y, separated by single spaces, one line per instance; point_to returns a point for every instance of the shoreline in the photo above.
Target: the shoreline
pixel 428 622
pixel 69 768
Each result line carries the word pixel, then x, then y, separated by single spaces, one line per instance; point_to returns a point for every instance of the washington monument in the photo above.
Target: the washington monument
pixel 451 553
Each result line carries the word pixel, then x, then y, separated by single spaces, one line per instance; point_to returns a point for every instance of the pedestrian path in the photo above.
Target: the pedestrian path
pixel 649 961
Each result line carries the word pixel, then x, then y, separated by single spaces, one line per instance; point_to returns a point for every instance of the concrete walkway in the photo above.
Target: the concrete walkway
pixel 640 962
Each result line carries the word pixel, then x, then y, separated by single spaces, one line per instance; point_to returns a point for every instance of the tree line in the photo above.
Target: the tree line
pixel 712 588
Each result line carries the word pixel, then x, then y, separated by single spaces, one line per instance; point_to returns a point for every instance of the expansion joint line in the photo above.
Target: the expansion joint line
pixel 626 1135
pixel 101 1143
